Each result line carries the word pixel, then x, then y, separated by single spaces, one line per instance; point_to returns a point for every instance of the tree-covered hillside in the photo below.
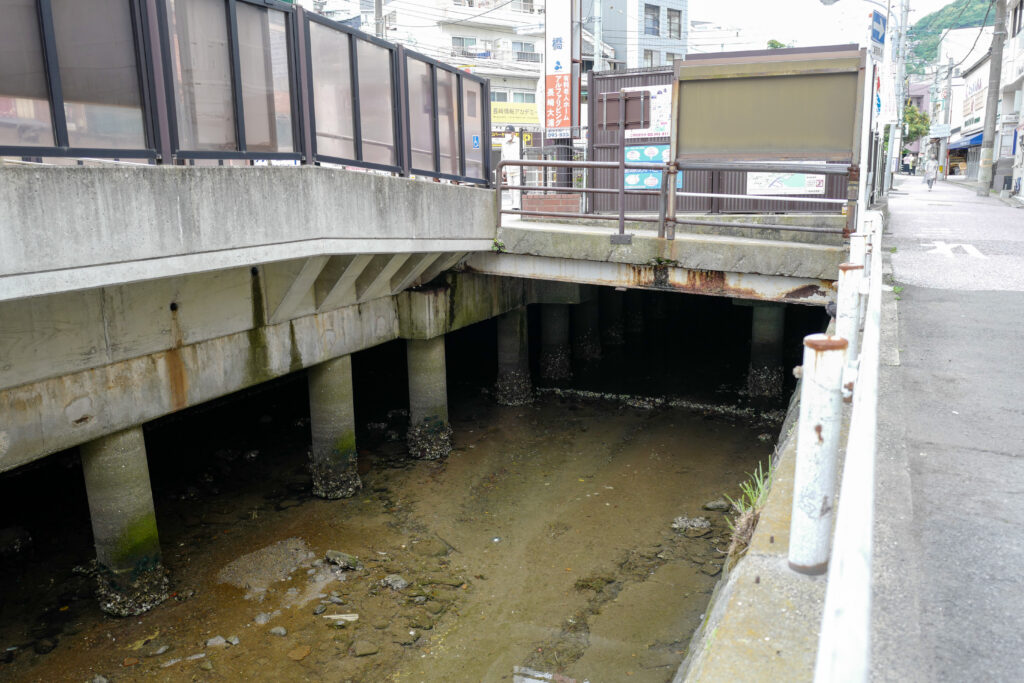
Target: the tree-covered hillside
pixel 925 34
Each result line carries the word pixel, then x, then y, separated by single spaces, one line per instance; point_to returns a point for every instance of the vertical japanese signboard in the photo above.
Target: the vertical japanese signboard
pixel 558 35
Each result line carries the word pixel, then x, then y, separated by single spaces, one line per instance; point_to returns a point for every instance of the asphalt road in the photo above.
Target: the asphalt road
pixel 949 548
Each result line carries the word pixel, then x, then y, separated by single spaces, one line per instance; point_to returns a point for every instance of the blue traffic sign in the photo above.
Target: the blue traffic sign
pixel 878 27
pixel 476 142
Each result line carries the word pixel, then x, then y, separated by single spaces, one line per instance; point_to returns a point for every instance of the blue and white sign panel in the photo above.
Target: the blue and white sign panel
pixel 878 28
pixel 644 179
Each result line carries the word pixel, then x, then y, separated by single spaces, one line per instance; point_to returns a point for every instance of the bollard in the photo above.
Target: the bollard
pixel 857 241
pixel 817 448
pixel 848 307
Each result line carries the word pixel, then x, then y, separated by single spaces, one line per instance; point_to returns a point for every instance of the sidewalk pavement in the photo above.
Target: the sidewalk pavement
pixel 949 527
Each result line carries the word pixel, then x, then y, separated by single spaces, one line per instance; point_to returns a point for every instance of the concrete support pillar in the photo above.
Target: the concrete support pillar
pixel 430 435
pixel 612 327
pixel 513 387
pixel 586 331
pixel 130 578
pixel 333 422
pixel 555 363
pixel 634 316
pixel 765 377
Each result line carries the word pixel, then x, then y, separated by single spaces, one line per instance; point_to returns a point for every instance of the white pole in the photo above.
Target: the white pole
pixel 817 448
pixel 848 306
pixel 598 36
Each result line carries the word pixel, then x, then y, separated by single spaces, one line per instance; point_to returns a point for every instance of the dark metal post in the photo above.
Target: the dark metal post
pixel 622 237
pixel 49 44
pixel 357 120
pixel 158 115
pixel 236 76
pixel 303 83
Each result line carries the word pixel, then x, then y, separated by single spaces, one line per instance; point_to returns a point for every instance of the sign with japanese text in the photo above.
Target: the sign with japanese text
pixel 661 113
pixel 558 65
pixel 642 179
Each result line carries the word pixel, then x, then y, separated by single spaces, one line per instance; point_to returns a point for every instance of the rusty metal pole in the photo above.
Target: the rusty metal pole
pixel 848 306
pixel 622 162
pixel 817 449
pixel 670 203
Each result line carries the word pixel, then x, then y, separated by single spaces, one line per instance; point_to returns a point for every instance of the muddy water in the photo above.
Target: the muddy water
pixel 544 542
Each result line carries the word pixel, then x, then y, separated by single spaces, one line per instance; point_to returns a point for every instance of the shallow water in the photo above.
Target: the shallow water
pixel 544 541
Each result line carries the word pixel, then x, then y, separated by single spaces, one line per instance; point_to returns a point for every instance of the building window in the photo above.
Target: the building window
pixel 670 57
pixel 1017 19
pixel 652 20
pixel 524 97
pixel 649 58
pixel 522 47
pixel 674 23
pixel 498 96
pixel 522 6
pixel 463 46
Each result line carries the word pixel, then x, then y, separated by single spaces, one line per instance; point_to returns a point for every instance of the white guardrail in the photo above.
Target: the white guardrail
pixel 837 369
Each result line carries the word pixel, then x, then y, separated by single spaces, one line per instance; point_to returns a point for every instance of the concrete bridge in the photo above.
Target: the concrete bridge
pixel 131 292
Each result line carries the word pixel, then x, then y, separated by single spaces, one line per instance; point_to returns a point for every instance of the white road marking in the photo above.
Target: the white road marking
pixel 939 247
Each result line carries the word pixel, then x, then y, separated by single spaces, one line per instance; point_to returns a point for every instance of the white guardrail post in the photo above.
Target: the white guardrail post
pixel 844 645
pixel 817 448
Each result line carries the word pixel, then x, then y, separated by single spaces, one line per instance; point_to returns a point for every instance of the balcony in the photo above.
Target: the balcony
pixel 490 13
pixel 527 56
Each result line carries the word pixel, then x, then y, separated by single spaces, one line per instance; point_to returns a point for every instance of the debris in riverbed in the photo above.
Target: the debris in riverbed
pixel 343 560
pixel 362 648
pixel 258 570
pixel 299 653
pixel 717 505
pixel 217 641
pixel 683 523
pixel 342 617
pixel 278 631
pixel 395 582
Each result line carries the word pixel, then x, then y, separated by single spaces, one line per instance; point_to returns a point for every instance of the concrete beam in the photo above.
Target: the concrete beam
pixel 375 279
pixel 663 278
pixel 70 228
pixel 336 284
pixel 43 417
pixel 411 270
pixel 282 304
pixel 464 299
pixel 692 252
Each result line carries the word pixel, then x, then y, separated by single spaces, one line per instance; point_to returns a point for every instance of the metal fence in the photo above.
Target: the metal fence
pixel 176 80
pixel 705 191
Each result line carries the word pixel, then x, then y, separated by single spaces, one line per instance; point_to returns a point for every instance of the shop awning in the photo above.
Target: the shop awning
pixel 972 141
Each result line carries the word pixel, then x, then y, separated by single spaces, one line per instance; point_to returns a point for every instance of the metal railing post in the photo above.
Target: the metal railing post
pixel 670 202
pixel 817 449
pixel 848 307
pixel 622 237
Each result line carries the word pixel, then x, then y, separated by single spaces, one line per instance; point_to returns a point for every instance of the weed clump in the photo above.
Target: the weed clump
pixel 753 495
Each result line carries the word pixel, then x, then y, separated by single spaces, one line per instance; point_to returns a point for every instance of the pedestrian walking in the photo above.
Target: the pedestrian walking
pixel 931 170
pixel 513 174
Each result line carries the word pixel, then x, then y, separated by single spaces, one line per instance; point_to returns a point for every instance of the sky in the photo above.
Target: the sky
pixel 797 22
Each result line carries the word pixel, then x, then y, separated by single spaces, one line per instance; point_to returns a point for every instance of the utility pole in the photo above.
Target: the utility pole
pixel 896 131
pixel 995 70
pixel 378 17
pixel 598 36
pixel 947 103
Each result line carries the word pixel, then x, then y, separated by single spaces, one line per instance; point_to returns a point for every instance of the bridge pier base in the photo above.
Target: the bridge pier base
pixel 765 377
pixel 586 330
pixel 555 363
pixel 333 423
pixel 130 578
pixel 612 330
pixel 514 386
pixel 430 435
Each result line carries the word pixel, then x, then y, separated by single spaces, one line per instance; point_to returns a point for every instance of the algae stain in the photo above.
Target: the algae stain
pixel 295 362
pixel 138 544
pixel 258 357
pixel 344 449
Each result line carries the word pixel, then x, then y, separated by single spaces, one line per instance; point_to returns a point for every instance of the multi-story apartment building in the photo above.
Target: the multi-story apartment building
pixel 1010 160
pixel 642 33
